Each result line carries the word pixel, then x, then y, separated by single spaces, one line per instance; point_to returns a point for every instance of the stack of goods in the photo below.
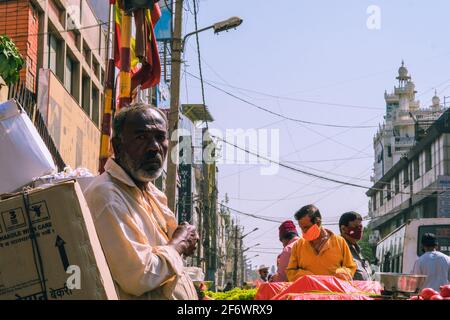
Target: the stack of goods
pixel 431 294
pixel 49 248
pixel 319 288
pixel 234 294
pixel 83 176
pixel 23 154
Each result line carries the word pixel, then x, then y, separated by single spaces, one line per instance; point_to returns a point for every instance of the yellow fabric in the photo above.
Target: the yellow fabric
pixel 334 257
pixel 142 265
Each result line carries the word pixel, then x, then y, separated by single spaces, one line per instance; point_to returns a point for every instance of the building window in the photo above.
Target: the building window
pixel 87 55
pixel 96 67
pixel 52 52
pixel 54 56
pixel 95 106
pixel 416 168
pixel 389 150
pixel 86 97
pixel 397 184
pixel 381 197
pixel 374 203
pixel 428 159
pixel 406 177
pixel 69 75
pixel 388 196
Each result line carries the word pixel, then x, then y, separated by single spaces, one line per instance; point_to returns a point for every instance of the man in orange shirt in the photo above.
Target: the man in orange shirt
pixel 319 251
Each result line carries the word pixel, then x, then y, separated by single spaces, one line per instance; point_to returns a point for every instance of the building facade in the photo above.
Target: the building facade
pixel 404 122
pixel 417 185
pixel 64 46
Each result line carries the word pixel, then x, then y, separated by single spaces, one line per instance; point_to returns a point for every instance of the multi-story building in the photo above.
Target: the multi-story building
pixel 404 122
pixel 417 185
pixel 64 45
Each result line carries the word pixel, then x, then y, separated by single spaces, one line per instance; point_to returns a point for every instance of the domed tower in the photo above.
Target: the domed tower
pixel 406 90
pixel 403 76
pixel 436 102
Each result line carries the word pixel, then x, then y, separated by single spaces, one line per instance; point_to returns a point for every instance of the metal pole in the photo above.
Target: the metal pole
pixel 242 262
pixel 108 97
pixel 171 181
pixel 235 280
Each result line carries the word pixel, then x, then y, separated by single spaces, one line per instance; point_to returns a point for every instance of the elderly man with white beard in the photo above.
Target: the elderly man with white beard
pixel 142 241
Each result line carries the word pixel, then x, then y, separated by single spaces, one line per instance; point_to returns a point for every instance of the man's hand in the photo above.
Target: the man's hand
pixel 185 239
pixel 343 274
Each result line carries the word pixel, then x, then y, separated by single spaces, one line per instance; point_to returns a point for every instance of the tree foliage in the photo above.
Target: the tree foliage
pixel 11 61
pixel 366 247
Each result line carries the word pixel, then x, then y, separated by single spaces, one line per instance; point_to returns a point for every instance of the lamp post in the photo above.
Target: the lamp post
pixel 177 48
pixel 249 233
pixel 218 27
pixel 251 247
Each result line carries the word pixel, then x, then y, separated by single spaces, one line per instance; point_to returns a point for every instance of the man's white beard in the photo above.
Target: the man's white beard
pixel 140 174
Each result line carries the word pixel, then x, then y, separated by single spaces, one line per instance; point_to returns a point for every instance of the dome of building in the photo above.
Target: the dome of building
pixel 435 100
pixel 402 71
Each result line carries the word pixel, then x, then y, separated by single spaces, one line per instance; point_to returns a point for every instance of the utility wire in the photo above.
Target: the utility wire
pixel 319 176
pixel 280 115
pixel 265 218
pixel 292 168
pixel 298 99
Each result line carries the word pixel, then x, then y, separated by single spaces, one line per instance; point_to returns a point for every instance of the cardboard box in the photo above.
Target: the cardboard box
pixel 23 154
pixel 84 182
pixel 65 239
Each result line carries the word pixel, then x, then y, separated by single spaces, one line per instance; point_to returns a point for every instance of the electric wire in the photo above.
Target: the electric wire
pixel 280 115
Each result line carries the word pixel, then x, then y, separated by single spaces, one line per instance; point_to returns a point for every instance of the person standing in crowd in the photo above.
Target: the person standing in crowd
pixel 263 272
pixel 319 251
pixel 350 225
pixel 287 235
pixel 142 241
pixel 433 263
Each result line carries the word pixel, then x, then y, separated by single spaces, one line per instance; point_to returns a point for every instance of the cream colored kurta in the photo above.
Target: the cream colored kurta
pixel 134 228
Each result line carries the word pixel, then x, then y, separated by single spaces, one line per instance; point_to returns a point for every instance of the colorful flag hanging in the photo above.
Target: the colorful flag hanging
pixel 143 48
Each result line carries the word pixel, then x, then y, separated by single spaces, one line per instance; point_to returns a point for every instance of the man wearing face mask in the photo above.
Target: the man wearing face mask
pixel 350 225
pixel 319 251
pixel 140 237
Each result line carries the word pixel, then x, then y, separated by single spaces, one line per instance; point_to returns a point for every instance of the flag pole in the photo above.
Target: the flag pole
pixel 108 95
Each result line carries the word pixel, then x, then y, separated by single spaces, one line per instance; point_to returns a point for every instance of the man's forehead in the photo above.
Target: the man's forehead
pixel 145 120
pixel 305 220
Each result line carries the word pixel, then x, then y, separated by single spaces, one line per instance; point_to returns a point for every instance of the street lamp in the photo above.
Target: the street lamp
pixel 242 237
pixel 251 247
pixel 218 27
pixel 177 48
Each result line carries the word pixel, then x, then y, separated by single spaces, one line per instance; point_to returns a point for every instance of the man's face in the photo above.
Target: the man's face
pixel 305 223
pixel 264 273
pixel 357 223
pixel 143 145
pixel 352 224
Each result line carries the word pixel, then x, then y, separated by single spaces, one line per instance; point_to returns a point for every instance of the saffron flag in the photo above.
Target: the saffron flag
pixel 149 73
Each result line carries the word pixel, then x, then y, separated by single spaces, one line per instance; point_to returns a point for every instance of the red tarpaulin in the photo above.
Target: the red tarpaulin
pixel 318 287
pixel 323 296
pixel 268 290
pixel 372 287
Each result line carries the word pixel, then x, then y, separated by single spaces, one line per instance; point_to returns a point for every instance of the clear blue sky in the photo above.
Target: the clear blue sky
pixel 313 50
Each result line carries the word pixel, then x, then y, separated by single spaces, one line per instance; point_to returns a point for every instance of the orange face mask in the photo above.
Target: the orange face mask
pixel 312 233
